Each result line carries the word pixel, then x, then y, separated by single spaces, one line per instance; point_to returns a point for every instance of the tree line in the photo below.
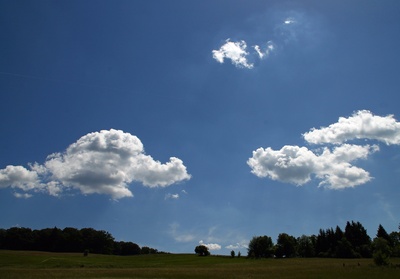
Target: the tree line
pixel 353 242
pixel 69 240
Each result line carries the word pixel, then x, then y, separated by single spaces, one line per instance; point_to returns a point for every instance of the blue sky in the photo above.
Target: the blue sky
pixel 174 123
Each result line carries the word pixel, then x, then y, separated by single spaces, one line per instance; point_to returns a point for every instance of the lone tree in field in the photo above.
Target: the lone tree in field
pixel 232 254
pixel 202 250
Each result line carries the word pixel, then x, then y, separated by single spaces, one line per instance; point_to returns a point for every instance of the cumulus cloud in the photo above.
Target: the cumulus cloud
pixel 235 51
pixel 331 165
pixel 210 246
pixel 296 165
pixel 104 162
pixel 361 125
pixel 19 177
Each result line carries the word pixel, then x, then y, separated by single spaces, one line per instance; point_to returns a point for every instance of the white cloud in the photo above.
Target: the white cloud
pixel 289 20
pixel 235 51
pixel 268 49
pixel 237 246
pixel 171 196
pixel 296 28
pixel 18 177
pixel 22 195
pixel 335 169
pixel 361 125
pixel 297 165
pixel 293 28
pixel 210 246
pixel 185 236
pixel 104 162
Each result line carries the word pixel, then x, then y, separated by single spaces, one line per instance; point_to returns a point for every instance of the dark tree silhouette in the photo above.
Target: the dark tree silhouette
pixel 67 240
pixel 285 246
pixel 232 254
pixel 19 239
pixel 260 247
pixel 147 250
pixel 201 250
pixel 381 250
pixel 382 233
pixel 357 235
pixel 344 249
pixel 129 248
pixel 305 246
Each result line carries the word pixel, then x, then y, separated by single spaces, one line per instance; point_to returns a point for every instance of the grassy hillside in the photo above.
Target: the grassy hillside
pixel 22 264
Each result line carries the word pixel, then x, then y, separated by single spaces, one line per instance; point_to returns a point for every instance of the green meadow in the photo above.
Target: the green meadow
pixel 27 264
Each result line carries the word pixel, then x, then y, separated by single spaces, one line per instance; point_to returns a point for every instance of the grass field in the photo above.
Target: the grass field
pixel 23 264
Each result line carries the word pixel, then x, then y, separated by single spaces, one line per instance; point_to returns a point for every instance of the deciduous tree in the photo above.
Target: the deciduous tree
pixel 201 250
pixel 260 247
pixel 285 246
pixel 305 246
pixel 381 250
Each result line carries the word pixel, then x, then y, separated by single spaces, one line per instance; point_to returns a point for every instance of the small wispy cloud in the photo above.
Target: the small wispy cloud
pixel 178 235
pixel 386 207
pixel 293 28
pixel 171 196
pixel 269 48
pixel 22 195
pixel 242 245
pixel 333 166
pixel 210 246
pixel 289 20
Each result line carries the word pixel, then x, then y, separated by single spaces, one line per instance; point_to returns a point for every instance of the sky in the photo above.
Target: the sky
pixel 177 123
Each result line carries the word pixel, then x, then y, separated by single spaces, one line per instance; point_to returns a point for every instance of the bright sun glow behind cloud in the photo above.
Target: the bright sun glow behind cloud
pixel 298 29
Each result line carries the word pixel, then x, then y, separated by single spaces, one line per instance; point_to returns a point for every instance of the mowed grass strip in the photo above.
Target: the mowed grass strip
pixel 26 264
